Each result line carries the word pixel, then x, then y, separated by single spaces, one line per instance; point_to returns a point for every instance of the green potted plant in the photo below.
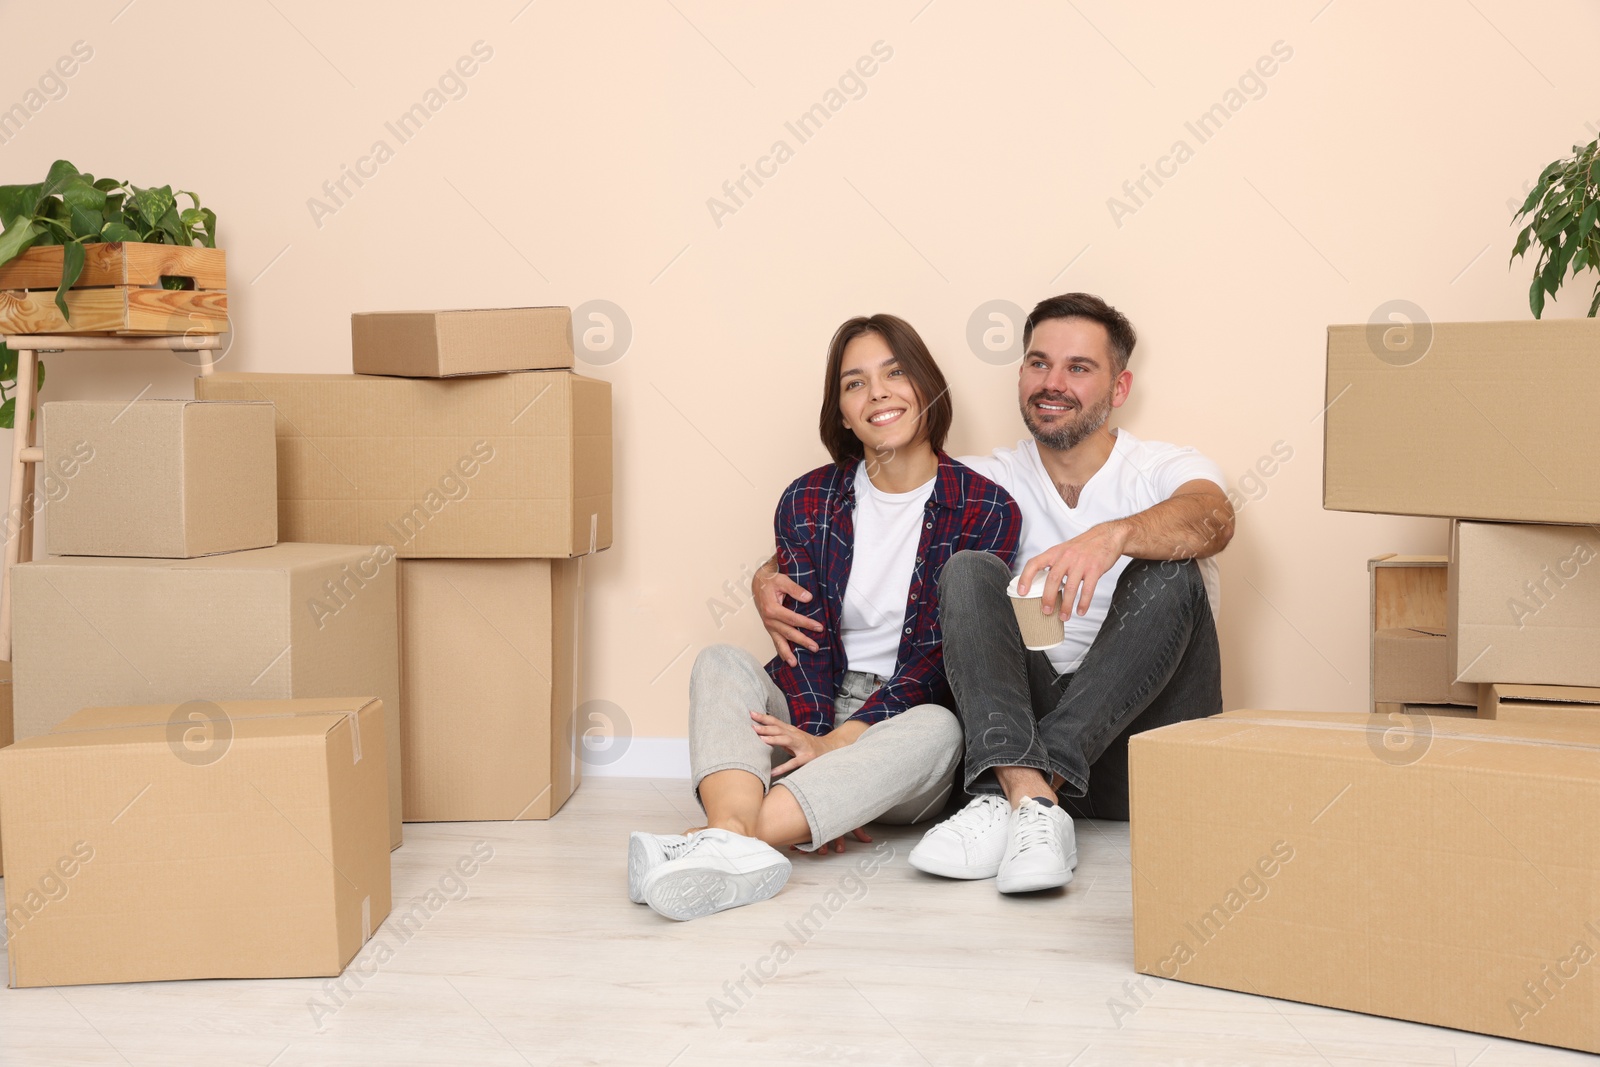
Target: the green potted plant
pixel 1562 210
pixel 121 260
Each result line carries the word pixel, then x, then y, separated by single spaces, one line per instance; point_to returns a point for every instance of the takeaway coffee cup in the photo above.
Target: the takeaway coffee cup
pixel 1039 631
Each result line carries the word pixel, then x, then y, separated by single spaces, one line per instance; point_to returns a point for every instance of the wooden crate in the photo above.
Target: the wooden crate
pixel 1408 593
pixel 119 291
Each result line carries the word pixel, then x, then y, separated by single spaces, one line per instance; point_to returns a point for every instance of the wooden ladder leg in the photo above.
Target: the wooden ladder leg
pixel 23 423
pixel 30 498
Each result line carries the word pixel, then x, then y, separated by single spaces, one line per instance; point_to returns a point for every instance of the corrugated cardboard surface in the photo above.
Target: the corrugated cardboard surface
pixel 7 734
pixel 295 620
pixel 1525 604
pixel 439 344
pixel 1565 705
pixel 1277 853
pixel 1496 421
pixel 130 863
pixel 1411 666
pixel 488 661
pixel 165 478
pixel 504 465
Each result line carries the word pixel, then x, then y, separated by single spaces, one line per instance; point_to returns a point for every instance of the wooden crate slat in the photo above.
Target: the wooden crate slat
pixel 118 263
pixel 116 310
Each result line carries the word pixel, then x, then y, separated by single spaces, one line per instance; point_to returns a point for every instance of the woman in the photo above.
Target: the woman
pixel 861 728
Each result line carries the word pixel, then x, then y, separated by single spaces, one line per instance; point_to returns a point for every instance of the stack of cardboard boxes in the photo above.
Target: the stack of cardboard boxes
pixel 1441 865
pixel 469 451
pixel 279 618
pixel 201 785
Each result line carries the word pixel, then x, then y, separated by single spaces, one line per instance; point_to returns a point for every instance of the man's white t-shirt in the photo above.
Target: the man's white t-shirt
pixel 1136 476
pixel 888 528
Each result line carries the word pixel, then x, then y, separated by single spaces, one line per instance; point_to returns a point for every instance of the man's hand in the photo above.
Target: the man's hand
pixel 837 844
pixel 1075 566
pixel 785 627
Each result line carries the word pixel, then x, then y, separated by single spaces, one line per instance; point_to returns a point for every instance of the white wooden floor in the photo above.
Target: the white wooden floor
pixel 544 961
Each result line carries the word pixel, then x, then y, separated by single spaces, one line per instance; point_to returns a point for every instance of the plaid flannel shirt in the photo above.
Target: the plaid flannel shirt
pixel 815 529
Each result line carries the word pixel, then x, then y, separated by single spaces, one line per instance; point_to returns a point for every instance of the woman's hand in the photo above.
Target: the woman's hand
pixel 802 746
pixel 785 627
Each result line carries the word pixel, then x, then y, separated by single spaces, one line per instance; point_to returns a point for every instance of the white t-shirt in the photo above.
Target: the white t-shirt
pixel 1136 476
pixel 888 530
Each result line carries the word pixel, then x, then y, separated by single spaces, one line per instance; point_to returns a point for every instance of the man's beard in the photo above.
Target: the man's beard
pixel 1070 435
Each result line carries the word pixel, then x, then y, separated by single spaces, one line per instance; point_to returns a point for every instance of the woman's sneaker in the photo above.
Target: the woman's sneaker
pixel 1041 849
pixel 718 870
pixel 646 852
pixel 969 844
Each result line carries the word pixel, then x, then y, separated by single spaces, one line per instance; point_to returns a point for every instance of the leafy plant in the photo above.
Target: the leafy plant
pixel 72 209
pixel 1562 210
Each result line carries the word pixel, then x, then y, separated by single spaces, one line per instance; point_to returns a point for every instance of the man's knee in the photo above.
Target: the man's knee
pixel 1167 582
pixel 968 571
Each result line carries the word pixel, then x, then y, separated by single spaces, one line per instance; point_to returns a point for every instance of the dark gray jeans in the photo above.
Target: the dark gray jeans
pixel 1154 662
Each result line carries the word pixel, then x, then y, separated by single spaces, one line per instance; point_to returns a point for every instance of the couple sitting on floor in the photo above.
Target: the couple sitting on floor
pixel 901 660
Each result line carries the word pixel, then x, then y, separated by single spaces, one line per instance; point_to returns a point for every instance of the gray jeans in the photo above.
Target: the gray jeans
pixel 900 770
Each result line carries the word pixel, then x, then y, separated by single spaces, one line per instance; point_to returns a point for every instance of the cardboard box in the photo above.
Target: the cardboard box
pixel 7 734
pixel 507 465
pixel 1409 653
pixel 488 667
pixel 1564 705
pixel 294 620
pixel 441 344
pixel 1450 882
pixel 168 478
pixel 1524 604
pixel 1494 421
pixel 135 858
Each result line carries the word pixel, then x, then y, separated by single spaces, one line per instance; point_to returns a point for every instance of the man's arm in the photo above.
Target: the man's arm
pixel 1193 523
pixel 785 627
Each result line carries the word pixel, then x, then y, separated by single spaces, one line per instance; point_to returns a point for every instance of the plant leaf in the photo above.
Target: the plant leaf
pixel 1586 220
pixel 1595 304
pixel 61 172
pixel 8 412
pixel 1522 241
pixel 38 385
pixel 86 223
pixel 71 270
pixel 17 200
pixel 8 365
pixel 1536 297
pixel 117 231
pixel 106 185
pixel 210 228
pixel 19 236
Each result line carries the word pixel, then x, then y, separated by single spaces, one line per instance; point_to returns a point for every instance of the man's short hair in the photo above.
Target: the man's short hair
pixel 1091 307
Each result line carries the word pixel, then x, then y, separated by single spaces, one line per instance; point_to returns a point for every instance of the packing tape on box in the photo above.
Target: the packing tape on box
pixel 1452 735
pixel 352 715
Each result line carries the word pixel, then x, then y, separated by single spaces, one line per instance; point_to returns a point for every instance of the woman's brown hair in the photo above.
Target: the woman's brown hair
pixel 912 356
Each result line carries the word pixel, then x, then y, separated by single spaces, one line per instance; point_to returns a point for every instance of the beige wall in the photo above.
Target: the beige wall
pixel 1377 164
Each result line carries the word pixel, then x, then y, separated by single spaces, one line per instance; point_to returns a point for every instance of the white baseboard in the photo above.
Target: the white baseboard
pixel 643 757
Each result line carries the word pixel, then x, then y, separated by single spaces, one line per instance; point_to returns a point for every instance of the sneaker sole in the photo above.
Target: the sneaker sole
pixel 1033 883
pixel 696 893
pixel 951 870
pixel 638 866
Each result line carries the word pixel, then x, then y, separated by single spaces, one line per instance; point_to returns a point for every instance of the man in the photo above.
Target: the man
pixel 1120 532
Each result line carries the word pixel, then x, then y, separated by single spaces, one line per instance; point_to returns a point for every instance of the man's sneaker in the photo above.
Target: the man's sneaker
pixel 647 852
pixel 969 844
pixel 718 870
pixel 1041 849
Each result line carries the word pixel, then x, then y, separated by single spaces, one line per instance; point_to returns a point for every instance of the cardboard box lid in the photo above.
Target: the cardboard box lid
pixel 1550 750
pixel 305 717
pixel 284 556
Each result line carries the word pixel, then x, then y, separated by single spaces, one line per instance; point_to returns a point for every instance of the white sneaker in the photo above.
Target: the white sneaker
pixel 718 870
pixel 647 852
pixel 969 844
pixel 1041 849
